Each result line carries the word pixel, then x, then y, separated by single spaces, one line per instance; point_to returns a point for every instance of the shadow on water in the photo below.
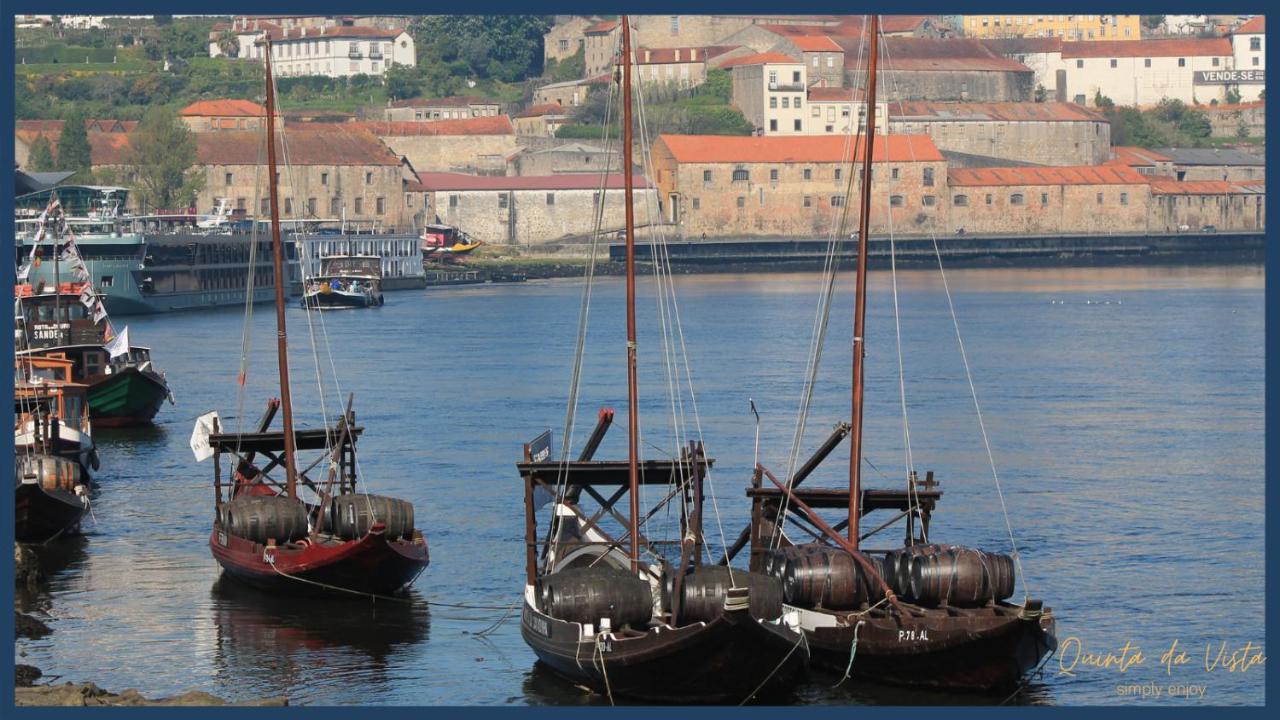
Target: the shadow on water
pixel 253 628
pixel 65 554
pixel 544 686
pixel 824 687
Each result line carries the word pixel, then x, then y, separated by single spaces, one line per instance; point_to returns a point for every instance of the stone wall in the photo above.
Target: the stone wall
pixel 454 153
pixel 955 85
pixel 527 217
pixel 1049 209
pixel 1226 211
pixel 324 191
pixel 1226 120
pixel 1042 143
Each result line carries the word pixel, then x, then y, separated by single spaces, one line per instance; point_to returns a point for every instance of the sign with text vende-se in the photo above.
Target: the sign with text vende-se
pixel 1230 77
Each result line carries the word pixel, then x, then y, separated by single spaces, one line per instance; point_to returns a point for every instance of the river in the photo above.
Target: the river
pixel 1124 407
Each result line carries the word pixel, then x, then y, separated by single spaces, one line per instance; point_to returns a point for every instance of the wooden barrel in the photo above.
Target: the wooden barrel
pixel 351 516
pixel 260 518
pixel 830 578
pixel 775 561
pixel 705 588
pixel 585 595
pixel 963 577
pixel 51 471
pixel 898 566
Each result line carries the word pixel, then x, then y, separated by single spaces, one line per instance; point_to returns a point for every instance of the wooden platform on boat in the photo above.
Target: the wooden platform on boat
pixel 608 472
pixel 310 439
pixel 838 498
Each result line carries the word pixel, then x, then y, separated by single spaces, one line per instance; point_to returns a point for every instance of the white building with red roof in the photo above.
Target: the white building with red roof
pixel 338 50
pixel 1248 51
pixel 1144 72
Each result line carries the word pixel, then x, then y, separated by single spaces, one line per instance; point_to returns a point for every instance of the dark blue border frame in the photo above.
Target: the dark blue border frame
pixel 321 7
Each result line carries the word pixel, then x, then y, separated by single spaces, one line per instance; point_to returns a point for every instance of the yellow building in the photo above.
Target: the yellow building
pixel 1067 27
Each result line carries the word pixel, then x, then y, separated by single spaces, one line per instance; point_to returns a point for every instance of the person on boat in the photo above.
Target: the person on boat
pixel 251 481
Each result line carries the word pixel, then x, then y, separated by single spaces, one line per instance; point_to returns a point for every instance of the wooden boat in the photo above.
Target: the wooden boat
pixel 51 413
pixel 264 534
pixel 681 632
pixel 124 389
pixel 344 282
pixel 444 241
pixel 51 441
pixel 925 615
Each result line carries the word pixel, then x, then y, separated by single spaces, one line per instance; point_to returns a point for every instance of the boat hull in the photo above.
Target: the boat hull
pixel 339 300
pixel 371 565
pixel 725 661
pixel 41 515
pixel 980 650
pixel 126 398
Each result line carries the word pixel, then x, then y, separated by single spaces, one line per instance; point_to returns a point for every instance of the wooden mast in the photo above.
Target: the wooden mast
pixel 860 306
pixel 277 259
pixel 633 411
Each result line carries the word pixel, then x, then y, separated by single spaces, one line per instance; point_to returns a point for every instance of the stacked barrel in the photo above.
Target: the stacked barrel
pixel 820 576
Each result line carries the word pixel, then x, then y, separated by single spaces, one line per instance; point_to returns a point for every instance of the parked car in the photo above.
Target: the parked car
pixel 1209 228
pixel 1184 228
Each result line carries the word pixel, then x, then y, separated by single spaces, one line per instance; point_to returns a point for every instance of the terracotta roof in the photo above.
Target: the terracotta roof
pixel 835 94
pixel 889 24
pixel 1024 45
pixel 323 144
pixel 796 148
pixel 541 110
pixel 760 59
pixel 798 31
pixel 601 27
pixel 290 34
pixel 663 56
pixel 223 108
pixel 1169 186
pixel 92 125
pixel 815 43
pixel 562 181
pixel 457 101
pixel 109 148
pixel 1078 175
pixel 1135 156
pixel 911 53
pixel 252 27
pixel 1254 25
pixel 1173 47
pixel 998 111
pixel 488 125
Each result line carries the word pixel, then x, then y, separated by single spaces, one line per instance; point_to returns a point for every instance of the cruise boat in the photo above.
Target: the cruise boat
pixel 344 282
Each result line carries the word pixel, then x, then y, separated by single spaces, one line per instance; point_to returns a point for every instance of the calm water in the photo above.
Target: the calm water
pixel 1125 409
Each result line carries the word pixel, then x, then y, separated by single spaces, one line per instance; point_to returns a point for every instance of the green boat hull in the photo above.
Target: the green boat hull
pixel 126 398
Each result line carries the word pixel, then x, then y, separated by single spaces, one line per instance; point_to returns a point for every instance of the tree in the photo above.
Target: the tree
pixel 503 47
pixel 41 157
pixel 73 147
pixel 1151 22
pixel 1041 94
pixel 402 82
pixel 1233 96
pixel 1103 102
pixel 161 153
pixel 229 44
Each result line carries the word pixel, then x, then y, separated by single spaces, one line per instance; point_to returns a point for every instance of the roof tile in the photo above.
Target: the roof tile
pixel 1071 175
pixel 796 149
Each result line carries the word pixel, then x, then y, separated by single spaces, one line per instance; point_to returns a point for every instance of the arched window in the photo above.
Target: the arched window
pixel 1017 199
pixel 741 174
pixel 960 201
pixel 895 201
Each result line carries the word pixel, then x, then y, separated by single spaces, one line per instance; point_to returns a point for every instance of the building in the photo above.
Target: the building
pixel 1043 56
pixel 570 93
pixel 220 115
pixel 949 70
pixel 565 38
pixel 1185 25
pixel 476 145
pixel 678 68
pixel 601 43
pixel 542 120
pixel 1215 164
pixel 1056 200
pixel 1196 204
pixel 1146 162
pixel 831 109
pixel 795 186
pixel 26 132
pixel 1246 119
pixel 332 51
pixel 1144 72
pixel 769 89
pixel 664 31
pixel 449 108
pixel 531 210
pixel 1249 58
pixel 1068 27
pixel 571 157
pixel 1049 133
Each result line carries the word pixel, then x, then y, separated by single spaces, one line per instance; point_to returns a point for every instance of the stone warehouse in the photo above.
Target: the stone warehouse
pixel 449 108
pixel 530 210
pixel 1088 199
pixel 1195 204
pixel 332 172
pixel 951 70
pixel 794 186
pixel 1042 133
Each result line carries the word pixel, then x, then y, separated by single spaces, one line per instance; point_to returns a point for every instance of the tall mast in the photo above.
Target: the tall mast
pixel 860 306
pixel 633 411
pixel 277 247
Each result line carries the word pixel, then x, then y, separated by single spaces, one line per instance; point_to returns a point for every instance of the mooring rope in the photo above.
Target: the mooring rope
pixel 802 640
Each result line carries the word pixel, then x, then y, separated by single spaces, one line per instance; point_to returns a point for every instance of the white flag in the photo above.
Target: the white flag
pixel 99 312
pixel 200 436
pixel 86 296
pixel 119 345
pixel 24 272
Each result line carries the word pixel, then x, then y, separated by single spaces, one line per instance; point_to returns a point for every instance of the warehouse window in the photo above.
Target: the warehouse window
pixel 741 175
pixel 697 203
pixel 1182 62
pixel 324 178
pixel 742 201
pixel 1215 62
pixel 502 201
pixel 895 201
pixel 288 206
pixel 1017 199
pixel 773 125
pixel 551 198
pixel 453 201
pixel 808 173
pixel 1044 198
pixel 1255 44
pixel 359 206
pixel 1099 198
pixel 773 102
pixel 368 178
pixel 797 124
pixel 928 200
pixel 928 177
pixel 808 201
pixel 1146 62
pixel 381 206
pixel 1079 64
pixel 837 201
pixel 1114 63
pixel 960 201
pixel 228 178
pixel 773 175
pixel 311 207
pixel 893 174
pixel 335 205
pixel 989 198
pixel 706 176
pixel 838 173
pixel 1124 198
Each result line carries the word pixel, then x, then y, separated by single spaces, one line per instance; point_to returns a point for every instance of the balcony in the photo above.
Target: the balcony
pixel 355 54
pixel 375 54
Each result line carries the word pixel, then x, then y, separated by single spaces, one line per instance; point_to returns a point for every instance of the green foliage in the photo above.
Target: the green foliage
pixel 581 132
pixel 402 83
pixel 718 87
pixel 1041 94
pixel 1151 22
pixel 1233 96
pixel 1103 102
pixel 1169 124
pixel 570 68
pixel 162 151
pixel 703 110
pixel 41 155
pixel 73 147
pixel 502 47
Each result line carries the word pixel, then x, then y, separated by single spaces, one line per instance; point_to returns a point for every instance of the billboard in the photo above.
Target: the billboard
pixel 1230 77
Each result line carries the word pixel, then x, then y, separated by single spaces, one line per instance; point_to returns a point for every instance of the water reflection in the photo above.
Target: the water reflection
pixel 283 641
pixel 825 688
